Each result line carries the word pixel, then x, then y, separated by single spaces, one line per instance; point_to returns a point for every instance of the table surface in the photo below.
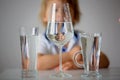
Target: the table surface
pixel 15 74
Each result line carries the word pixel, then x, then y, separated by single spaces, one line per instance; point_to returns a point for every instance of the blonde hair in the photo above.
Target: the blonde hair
pixel 74 9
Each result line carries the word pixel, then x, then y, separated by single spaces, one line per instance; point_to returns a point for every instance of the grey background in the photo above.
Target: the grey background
pixel 97 16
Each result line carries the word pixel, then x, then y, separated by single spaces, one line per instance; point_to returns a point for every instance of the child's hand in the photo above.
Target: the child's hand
pixel 69 65
pixel 74 50
pixel 66 66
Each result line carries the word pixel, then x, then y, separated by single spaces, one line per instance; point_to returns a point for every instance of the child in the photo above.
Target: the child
pixel 48 57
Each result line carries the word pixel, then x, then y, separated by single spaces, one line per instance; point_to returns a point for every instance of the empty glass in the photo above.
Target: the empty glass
pixel 90 50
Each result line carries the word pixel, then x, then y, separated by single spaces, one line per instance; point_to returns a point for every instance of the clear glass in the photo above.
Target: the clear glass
pixel 29 39
pixel 94 56
pixel 60 31
pixel 90 50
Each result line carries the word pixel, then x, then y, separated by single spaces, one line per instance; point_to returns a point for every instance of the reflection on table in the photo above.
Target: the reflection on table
pixel 15 74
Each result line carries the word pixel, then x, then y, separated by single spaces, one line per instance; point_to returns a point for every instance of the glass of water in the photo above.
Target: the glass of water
pixel 60 31
pixel 90 50
pixel 29 38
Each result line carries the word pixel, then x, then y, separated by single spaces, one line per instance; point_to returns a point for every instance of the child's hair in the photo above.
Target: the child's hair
pixel 74 9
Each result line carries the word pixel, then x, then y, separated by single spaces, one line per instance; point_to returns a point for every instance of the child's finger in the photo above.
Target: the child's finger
pixel 67 66
pixel 56 68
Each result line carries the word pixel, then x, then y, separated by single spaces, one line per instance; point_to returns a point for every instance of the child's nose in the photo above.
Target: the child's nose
pixel 59 17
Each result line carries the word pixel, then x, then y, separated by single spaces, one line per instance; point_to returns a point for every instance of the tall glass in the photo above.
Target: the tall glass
pixel 29 38
pixel 60 31
pixel 90 50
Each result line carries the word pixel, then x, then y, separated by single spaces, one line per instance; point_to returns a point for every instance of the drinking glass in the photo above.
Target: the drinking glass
pixel 29 39
pixel 60 31
pixel 90 50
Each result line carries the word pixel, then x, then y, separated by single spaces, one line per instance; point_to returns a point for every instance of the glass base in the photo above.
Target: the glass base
pixel 29 74
pixel 91 74
pixel 60 75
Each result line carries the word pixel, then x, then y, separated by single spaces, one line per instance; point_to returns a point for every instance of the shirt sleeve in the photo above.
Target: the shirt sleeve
pixel 41 45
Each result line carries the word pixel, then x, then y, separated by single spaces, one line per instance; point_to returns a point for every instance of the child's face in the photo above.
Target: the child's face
pixel 59 10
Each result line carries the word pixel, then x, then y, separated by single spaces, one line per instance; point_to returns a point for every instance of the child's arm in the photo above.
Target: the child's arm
pixel 104 61
pixel 51 61
pixel 69 65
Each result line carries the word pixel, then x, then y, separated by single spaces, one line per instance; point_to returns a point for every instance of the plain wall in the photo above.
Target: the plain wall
pixel 97 16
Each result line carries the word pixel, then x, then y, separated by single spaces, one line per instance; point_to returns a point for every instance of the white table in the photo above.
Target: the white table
pixel 15 74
